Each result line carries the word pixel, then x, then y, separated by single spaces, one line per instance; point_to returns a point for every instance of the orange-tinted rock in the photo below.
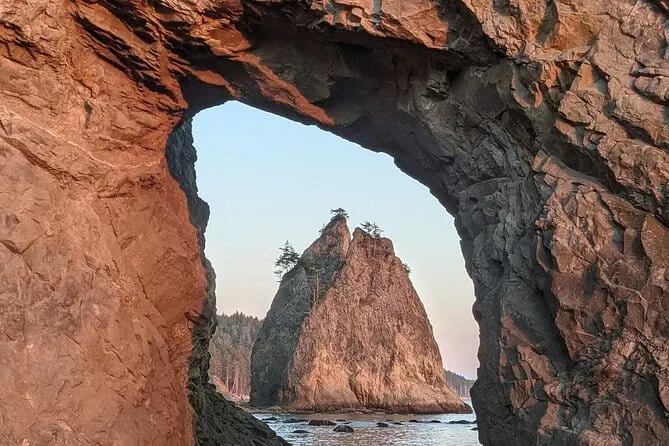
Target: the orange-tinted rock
pixel 352 333
pixel 541 126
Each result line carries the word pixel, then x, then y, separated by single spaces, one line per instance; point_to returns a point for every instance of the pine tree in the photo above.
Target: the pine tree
pixel 339 212
pixel 372 229
pixel 287 259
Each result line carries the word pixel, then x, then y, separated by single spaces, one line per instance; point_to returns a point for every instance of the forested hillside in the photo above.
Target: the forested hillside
pixel 459 383
pixel 230 350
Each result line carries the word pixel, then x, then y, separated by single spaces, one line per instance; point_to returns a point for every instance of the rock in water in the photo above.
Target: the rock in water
pixel 346 329
pixel 321 423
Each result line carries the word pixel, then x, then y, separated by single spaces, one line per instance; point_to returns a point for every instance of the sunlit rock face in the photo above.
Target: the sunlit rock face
pixel 347 331
pixel 541 126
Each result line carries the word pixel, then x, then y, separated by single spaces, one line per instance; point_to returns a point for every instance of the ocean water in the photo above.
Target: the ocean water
pixel 367 433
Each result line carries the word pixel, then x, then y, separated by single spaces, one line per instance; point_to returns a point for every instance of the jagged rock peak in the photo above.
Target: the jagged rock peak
pixel 361 340
pixel 333 242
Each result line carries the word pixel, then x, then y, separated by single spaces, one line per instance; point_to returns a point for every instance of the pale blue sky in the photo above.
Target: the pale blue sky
pixel 268 180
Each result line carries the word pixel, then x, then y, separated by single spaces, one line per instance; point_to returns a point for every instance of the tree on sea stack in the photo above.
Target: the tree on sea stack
pixel 287 259
pixel 339 212
pixel 372 229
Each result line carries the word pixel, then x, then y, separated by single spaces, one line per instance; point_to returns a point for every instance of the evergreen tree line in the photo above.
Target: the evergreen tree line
pixel 459 383
pixel 230 350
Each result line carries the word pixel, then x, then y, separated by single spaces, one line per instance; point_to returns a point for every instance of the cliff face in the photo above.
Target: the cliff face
pixel 363 340
pixel 541 126
pixel 279 334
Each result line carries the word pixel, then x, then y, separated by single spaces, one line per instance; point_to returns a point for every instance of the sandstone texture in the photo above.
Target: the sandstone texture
pixel 352 332
pixel 540 125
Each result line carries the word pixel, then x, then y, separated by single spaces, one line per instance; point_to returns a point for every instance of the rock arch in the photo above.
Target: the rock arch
pixel 541 127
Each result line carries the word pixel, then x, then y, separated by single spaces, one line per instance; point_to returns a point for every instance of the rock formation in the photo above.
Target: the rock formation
pixel 346 330
pixel 541 126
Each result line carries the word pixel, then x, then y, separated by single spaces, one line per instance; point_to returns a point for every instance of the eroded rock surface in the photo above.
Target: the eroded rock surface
pixel 541 126
pixel 351 332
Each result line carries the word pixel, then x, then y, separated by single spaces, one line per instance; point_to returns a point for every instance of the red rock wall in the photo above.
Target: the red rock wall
pixel 94 345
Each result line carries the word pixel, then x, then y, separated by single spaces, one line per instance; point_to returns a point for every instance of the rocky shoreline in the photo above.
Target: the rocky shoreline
pixel 340 411
pixel 374 428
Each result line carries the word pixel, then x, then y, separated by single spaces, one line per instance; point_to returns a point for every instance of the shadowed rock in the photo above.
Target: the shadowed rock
pixel 295 420
pixel 321 423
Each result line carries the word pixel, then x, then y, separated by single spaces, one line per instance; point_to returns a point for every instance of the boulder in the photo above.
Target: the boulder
pixel 321 423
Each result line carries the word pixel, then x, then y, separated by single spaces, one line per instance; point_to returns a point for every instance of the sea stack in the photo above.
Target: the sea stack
pixel 347 330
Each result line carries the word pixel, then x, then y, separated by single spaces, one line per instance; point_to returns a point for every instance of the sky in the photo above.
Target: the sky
pixel 268 179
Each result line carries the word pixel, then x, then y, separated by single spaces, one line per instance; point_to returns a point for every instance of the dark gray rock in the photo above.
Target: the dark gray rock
pixel 295 420
pixel 460 422
pixel 321 423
